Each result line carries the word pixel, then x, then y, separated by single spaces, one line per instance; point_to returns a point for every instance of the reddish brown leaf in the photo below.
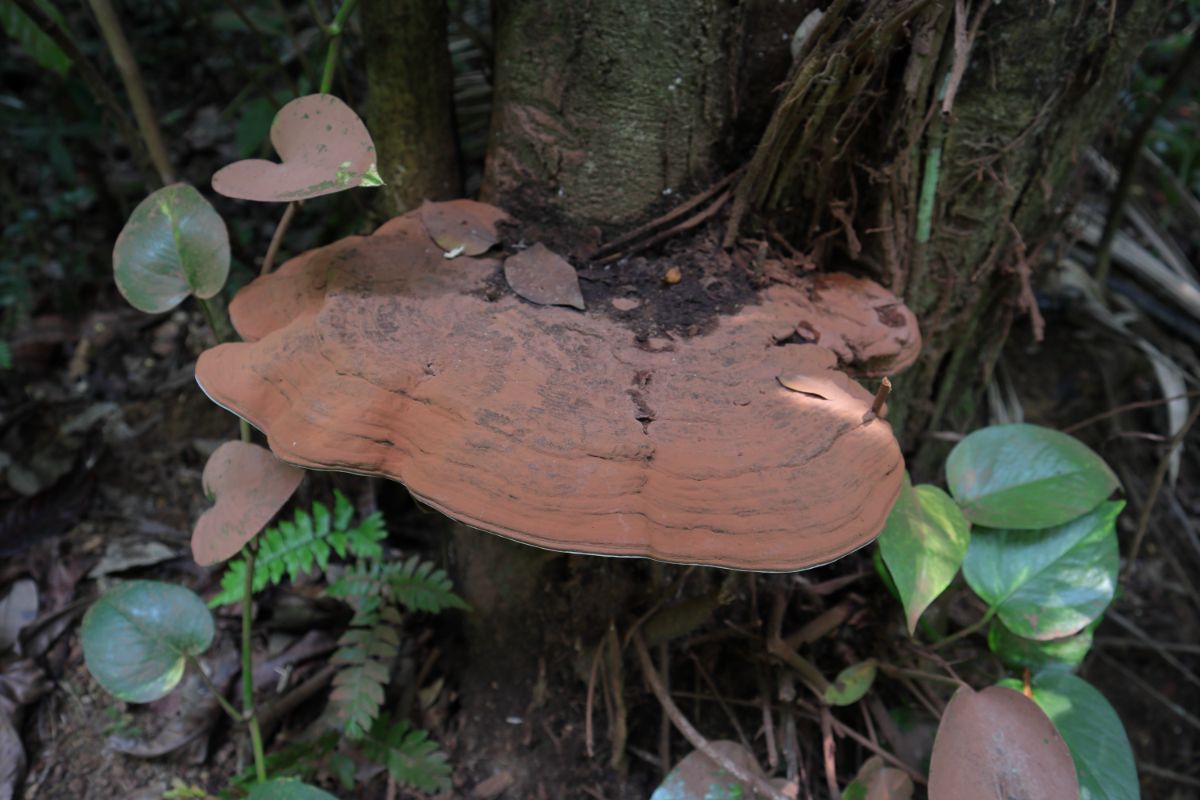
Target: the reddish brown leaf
pixel 998 745
pixel 324 147
pixel 250 485
pixel 542 276
pixel 462 227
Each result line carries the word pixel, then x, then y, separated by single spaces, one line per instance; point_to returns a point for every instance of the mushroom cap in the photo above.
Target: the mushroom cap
pixel 377 355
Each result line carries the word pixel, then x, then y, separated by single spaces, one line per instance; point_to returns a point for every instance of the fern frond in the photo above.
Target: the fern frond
pixel 365 652
pixel 414 583
pixel 297 546
pixel 412 758
pixel 420 586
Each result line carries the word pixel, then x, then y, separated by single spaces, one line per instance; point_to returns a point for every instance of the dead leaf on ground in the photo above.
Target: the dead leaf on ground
pixel 878 782
pixel 123 554
pixel 998 745
pixel 324 148
pixel 462 227
pixel 184 716
pixel 21 682
pixel 17 609
pixel 250 485
pixel 542 276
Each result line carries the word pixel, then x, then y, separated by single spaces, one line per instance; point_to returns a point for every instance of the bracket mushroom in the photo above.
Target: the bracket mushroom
pixel 557 428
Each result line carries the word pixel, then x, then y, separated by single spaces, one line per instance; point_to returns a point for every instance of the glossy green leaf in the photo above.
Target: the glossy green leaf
pixel 1047 584
pixel 174 244
pixel 1093 733
pixel 851 684
pixel 923 544
pixel 32 39
pixel 1021 653
pixel 137 637
pixel 1025 477
pixel 287 789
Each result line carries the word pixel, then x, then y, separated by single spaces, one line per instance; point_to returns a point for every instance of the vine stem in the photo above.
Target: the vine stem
pixel 975 626
pixel 256 742
pixel 335 39
pixel 212 687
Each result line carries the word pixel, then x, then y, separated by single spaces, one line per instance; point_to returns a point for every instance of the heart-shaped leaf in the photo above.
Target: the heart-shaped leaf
pixel 878 782
pixel 998 745
pixel 287 789
pixel 1047 584
pixel 173 245
pixel 851 684
pixel 137 637
pixel 923 544
pixel 250 485
pixel 324 147
pixel 1026 477
pixel 1021 653
pixel 1093 732
pixel 462 227
pixel 542 276
pixel 697 777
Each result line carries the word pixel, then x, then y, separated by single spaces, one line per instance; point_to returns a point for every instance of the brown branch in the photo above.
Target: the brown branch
pixel 687 224
pixel 694 737
pixel 1112 412
pixel 135 87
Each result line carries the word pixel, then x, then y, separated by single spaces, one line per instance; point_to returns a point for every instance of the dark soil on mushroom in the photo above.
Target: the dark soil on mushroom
pixel 637 292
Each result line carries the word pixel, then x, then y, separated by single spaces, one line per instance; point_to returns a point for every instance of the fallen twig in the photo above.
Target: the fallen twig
pixel 685 727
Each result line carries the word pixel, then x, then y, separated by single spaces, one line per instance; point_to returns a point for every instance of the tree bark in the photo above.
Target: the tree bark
pixel 410 104
pixel 606 108
pixel 930 142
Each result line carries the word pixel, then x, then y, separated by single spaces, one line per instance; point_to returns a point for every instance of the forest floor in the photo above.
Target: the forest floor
pixel 104 436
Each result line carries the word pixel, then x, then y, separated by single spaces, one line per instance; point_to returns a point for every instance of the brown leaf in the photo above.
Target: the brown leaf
pixel 883 783
pixel 998 745
pixel 462 227
pixel 542 276
pixel 21 683
pixel 250 485
pixel 324 147
pixel 17 609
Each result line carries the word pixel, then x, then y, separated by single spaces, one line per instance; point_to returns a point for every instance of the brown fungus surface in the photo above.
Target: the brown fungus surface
pixel 557 428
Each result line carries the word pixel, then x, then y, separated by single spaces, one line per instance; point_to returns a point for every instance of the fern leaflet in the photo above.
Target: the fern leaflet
pixel 415 584
pixel 365 651
pixel 409 755
pixel 294 547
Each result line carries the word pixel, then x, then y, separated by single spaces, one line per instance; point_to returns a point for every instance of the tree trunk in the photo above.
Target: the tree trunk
pixel 411 102
pixel 929 142
pixel 926 143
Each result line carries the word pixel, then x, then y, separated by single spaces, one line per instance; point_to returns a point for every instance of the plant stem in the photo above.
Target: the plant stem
pixel 260 765
pixel 135 87
pixel 277 238
pixel 212 687
pixel 335 39
pixel 975 626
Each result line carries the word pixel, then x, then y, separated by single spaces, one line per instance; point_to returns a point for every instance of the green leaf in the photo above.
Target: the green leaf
pixel 252 126
pixel 175 244
pixel 1047 584
pixel 1093 733
pixel 697 777
pixel 287 789
pixel 851 684
pixel 1021 653
pixel 294 548
pixel 138 636
pixel 923 544
pixel 32 39
pixel 1025 477
pixel 409 755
